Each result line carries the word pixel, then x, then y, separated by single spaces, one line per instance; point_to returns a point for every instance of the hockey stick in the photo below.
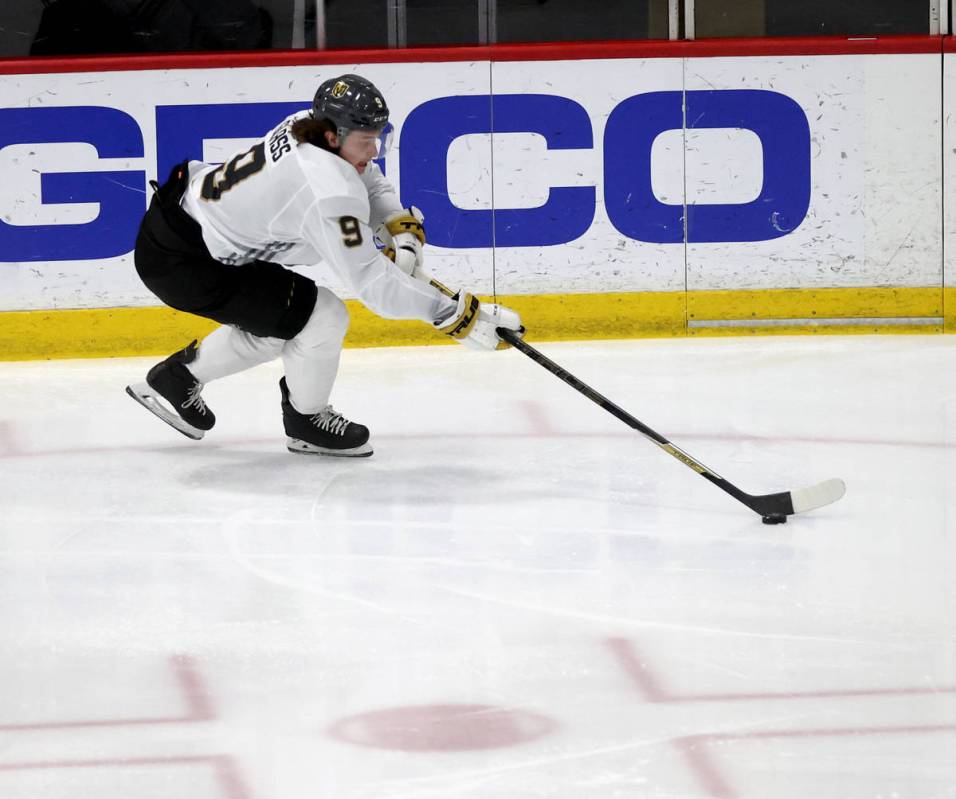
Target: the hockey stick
pixel 774 508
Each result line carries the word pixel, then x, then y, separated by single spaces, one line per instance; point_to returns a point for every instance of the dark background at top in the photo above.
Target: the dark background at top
pixel 65 27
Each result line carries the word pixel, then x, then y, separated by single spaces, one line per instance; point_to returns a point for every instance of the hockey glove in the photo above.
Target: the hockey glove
pixel 474 323
pixel 403 236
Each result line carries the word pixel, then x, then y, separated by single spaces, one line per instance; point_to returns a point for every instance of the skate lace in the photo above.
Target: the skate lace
pixel 193 400
pixel 330 420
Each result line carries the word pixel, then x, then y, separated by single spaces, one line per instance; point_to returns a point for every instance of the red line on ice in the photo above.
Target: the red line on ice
pixel 654 691
pixel 694 748
pixel 197 699
pixel 226 770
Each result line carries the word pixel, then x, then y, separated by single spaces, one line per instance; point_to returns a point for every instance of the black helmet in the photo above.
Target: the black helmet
pixel 352 103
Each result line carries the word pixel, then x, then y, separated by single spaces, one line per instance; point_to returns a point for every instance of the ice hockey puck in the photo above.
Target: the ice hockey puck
pixel 775 518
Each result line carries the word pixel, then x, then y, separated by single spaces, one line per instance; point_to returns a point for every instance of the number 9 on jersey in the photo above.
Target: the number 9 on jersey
pixel 351 233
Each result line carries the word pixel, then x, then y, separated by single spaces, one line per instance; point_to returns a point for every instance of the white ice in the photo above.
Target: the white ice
pixel 517 596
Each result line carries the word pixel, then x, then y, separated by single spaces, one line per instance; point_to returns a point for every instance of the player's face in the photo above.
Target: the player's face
pixel 360 147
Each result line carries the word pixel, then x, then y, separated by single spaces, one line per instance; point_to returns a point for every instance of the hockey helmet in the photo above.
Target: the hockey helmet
pixel 352 103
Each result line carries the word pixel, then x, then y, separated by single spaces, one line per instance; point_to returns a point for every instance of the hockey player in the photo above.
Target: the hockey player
pixel 213 240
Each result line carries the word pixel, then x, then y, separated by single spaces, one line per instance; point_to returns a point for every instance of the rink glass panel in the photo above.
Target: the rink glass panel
pixel 731 18
pixel 70 27
pixel 561 20
pixel 356 23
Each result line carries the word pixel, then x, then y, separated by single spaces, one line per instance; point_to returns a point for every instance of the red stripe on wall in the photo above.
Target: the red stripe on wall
pixel 815 45
pixel 550 51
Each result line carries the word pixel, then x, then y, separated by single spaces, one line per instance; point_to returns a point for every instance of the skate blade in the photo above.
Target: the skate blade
pixel 145 396
pixel 300 447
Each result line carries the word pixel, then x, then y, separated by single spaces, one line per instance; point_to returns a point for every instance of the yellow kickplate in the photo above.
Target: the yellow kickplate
pixel 949 309
pixel 121 332
pixel 809 311
pixel 97 332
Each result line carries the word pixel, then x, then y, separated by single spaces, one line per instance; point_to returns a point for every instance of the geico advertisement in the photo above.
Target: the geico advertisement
pixel 588 176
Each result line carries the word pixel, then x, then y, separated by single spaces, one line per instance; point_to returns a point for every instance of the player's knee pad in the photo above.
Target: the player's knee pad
pixel 326 326
pixel 257 348
pixel 228 350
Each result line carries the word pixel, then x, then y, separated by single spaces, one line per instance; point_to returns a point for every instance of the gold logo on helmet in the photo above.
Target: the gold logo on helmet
pixel 339 89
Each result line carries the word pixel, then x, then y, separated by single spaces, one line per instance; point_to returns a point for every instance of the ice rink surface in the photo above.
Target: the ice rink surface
pixel 517 596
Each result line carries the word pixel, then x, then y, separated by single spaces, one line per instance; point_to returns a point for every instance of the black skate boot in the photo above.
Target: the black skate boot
pixel 324 433
pixel 173 382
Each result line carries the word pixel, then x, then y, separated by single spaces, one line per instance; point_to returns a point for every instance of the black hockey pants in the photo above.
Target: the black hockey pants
pixel 262 298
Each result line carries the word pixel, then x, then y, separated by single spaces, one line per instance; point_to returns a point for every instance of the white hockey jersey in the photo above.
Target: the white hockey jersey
pixel 298 204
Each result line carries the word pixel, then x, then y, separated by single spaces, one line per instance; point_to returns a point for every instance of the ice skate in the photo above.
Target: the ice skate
pixel 171 381
pixel 324 433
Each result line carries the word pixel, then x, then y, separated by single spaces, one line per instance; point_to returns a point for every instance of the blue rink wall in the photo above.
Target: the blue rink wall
pixel 604 190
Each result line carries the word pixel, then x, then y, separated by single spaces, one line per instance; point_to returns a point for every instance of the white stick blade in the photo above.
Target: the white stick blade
pixel 816 496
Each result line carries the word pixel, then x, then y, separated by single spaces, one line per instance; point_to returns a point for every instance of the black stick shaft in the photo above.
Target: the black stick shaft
pixel 520 344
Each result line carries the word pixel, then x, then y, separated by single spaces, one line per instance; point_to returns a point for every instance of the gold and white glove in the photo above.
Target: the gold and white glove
pixel 403 235
pixel 475 323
